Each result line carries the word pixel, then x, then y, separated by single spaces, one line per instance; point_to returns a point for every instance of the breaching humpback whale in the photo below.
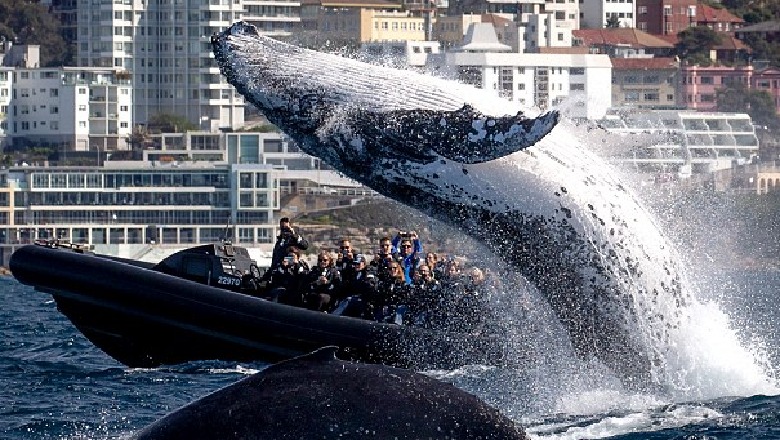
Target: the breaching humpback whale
pixel 316 396
pixel 416 139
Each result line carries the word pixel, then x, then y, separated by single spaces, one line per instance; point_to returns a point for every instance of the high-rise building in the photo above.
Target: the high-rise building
pixel 164 45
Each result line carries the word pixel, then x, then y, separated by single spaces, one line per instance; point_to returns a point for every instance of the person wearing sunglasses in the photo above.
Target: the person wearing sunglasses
pixel 409 251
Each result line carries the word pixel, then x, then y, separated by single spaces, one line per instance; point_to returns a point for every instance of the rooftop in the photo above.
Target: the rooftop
pixel 708 14
pixel 482 37
pixel 619 36
pixel 644 63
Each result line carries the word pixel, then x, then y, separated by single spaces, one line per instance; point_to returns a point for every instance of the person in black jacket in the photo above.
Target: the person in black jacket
pixel 286 239
pixel 288 279
pixel 358 290
pixel 323 283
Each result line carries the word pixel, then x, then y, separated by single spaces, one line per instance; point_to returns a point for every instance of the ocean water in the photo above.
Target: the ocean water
pixel 54 384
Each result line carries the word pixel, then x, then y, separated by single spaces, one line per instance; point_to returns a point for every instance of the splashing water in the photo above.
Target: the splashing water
pixel 694 352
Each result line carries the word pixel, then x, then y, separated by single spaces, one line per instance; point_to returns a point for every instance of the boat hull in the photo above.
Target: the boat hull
pixel 143 318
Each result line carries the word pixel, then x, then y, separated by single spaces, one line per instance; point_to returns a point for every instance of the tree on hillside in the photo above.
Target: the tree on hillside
pixel 756 103
pixel 25 22
pixel 694 44
pixel 763 50
pixel 754 11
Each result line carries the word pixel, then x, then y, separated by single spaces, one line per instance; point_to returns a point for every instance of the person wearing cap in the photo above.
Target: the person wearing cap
pixel 287 238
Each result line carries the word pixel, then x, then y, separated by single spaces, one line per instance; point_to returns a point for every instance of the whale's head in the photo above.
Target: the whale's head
pixel 357 119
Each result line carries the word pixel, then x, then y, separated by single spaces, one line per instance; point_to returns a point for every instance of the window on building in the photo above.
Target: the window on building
pixel 577 71
pixel 577 87
pixel 707 97
pixel 707 80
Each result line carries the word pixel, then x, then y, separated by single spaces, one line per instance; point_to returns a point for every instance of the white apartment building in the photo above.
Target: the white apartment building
pixel 276 18
pixel 527 30
pixel 566 12
pixel 77 109
pixel 595 13
pixel 6 88
pixel 577 83
pixel 164 46
pixel 400 53
pixel 537 31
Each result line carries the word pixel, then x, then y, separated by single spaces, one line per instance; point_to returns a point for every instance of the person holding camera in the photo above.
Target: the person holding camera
pixel 409 251
pixel 345 256
pixel 323 283
pixel 286 239
pixel 288 278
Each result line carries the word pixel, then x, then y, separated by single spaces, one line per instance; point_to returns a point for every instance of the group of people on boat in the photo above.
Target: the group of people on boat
pixel 396 283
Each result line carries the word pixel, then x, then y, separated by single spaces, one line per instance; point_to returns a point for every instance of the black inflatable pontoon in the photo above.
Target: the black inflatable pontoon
pixel 191 307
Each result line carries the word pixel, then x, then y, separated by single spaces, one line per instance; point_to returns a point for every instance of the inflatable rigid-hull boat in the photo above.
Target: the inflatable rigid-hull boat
pixel 143 317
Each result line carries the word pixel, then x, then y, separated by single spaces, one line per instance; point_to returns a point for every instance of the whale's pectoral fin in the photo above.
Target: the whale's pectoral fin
pixel 464 135
pixel 477 138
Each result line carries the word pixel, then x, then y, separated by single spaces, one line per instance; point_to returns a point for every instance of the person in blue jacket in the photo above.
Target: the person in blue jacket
pixel 409 251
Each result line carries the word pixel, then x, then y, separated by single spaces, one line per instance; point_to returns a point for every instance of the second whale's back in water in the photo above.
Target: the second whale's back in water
pixel 317 396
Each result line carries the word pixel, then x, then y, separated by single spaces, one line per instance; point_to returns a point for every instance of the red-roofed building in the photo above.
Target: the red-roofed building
pixel 646 83
pixel 730 50
pixel 621 42
pixel 719 20
pixel 768 80
pixel 665 17
pixel 700 84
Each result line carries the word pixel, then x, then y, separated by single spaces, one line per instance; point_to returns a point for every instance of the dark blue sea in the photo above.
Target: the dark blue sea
pixel 56 385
